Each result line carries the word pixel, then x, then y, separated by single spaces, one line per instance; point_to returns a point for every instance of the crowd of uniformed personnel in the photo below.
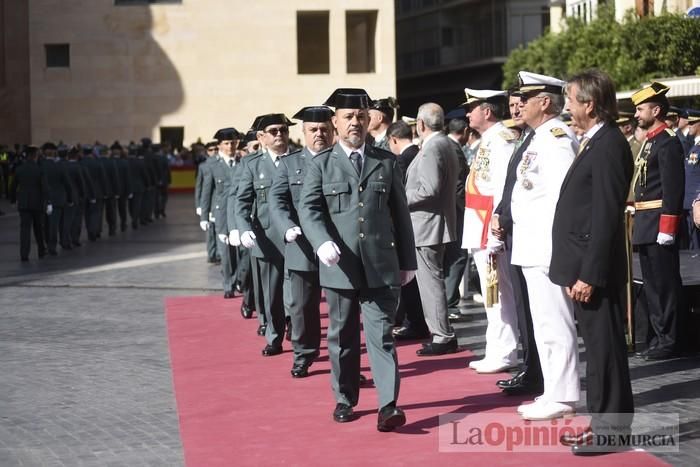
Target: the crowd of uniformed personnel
pixel 61 191
pixel 369 212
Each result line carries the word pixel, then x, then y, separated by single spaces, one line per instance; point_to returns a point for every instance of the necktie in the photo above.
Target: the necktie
pixel 356 161
pixel 582 146
pixel 230 163
pixel 277 162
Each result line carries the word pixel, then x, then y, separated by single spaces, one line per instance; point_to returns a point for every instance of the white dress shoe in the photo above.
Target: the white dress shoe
pixel 487 368
pixel 548 411
pixel 475 364
pixel 523 407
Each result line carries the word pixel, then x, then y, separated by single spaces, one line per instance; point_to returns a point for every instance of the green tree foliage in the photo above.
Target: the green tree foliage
pixel 631 52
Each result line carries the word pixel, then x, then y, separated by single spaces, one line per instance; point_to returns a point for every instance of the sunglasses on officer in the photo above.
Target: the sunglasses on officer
pixel 275 130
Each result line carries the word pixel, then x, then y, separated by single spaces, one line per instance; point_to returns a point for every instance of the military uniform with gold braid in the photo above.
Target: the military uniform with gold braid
pixel 658 202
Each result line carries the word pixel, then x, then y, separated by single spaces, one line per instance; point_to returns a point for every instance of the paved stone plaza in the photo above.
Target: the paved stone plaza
pixel 84 357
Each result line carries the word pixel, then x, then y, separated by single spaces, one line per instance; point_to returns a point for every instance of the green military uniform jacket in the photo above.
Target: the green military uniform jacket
pixel 366 216
pixel 60 190
pixel 253 207
pixel 29 188
pixel 284 201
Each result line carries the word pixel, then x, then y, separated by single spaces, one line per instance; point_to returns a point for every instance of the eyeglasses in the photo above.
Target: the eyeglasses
pixel 274 131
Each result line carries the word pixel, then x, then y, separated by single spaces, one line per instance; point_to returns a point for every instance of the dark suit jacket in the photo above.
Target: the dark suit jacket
pixel 588 233
pixel 366 216
pixel 284 201
pixel 505 217
pixel 461 184
pixel 29 188
pixel 405 158
pixel 60 190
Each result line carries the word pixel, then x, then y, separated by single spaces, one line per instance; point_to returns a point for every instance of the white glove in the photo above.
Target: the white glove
pixel 630 209
pixel 211 218
pixel 234 238
pixel 131 195
pixel 406 276
pixel 291 234
pixel 223 238
pixel 328 253
pixel 49 209
pixel 204 225
pixel 665 239
pixel 248 239
pixel 198 211
pixel 93 201
pixel 494 246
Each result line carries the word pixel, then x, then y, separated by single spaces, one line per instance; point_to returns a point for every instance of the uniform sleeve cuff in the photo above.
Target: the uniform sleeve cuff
pixel 668 224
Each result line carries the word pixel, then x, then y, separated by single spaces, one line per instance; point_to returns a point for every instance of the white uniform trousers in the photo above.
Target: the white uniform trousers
pixel 555 335
pixel 502 319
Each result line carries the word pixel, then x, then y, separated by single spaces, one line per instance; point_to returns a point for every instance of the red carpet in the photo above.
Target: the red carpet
pixel 238 408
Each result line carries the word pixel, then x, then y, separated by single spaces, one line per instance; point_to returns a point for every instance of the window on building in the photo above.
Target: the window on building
pixel 173 135
pixel 57 55
pixel 360 32
pixel 143 2
pixel 313 53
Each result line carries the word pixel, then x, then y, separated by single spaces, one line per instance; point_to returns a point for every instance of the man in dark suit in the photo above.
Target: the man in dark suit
pixel 107 159
pixel 93 213
pixel 589 256
pixel 83 195
pixel 214 200
pixel 456 257
pixel 409 316
pixel 690 234
pixel 302 289
pixel 125 189
pixel 253 220
pixel 528 380
pixel 353 211
pixel 60 193
pixel 658 203
pixel 430 192
pixel 31 193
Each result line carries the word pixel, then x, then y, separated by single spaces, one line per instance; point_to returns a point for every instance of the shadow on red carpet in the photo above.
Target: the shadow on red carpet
pixel 237 408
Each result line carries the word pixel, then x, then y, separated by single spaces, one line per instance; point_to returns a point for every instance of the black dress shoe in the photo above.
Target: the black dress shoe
pixel 66 247
pixel 262 329
pixel 589 445
pixel 433 348
pixel 76 244
pixel 228 294
pixel 271 350
pixel 300 370
pixel 523 389
pixel 246 311
pixel 659 354
pixel 53 253
pixel 390 417
pixel 24 259
pixel 585 437
pixel 343 413
pixel 405 333
pixel 363 379
pixel 514 381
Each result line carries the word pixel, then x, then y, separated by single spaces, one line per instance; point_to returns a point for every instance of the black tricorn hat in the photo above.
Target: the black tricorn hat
pixel 226 134
pixel 316 113
pixel 48 145
pixel 211 144
pixel 655 92
pixel 263 121
pixel 349 98
pixel 116 146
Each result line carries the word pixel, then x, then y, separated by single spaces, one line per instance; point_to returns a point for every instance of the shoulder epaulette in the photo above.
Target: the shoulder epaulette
pixel 557 132
pixel 670 132
pixel 382 152
pixel 324 152
pixel 292 153
pixel 507 135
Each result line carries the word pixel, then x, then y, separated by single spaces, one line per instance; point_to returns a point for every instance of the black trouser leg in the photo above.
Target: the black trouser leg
pixel 608 389
pixel 660 266
pixel 26 219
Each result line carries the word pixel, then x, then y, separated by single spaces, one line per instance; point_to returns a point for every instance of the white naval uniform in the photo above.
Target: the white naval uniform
pixel 488 170
pixel 540 174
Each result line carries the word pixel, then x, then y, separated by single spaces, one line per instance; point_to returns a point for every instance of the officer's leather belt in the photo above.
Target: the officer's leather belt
pixel 643 205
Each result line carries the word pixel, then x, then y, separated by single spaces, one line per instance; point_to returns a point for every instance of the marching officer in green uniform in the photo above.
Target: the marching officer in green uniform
pixel 83 194
pixel 216 184
pixel 353 211
pixel 93 213
pixel 112 187
pixel 125 189
pixel 30 191
pixel 258 232
pixel 302 289
pixel 658 203
pixel 139 182
pixel 202 170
